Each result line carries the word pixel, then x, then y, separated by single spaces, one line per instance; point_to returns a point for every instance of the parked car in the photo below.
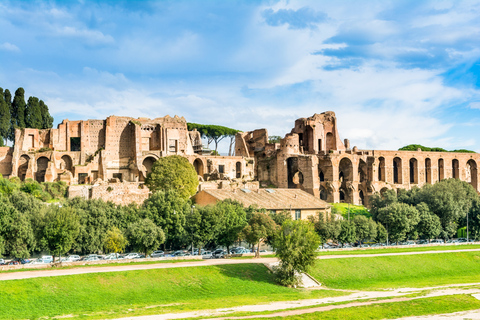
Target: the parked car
pixel 2 262
pixel 181 253
pixel 74 257
pixel 219 253
pixel 48 258
pixel 157 254
pixel 207 255
pixel 437 241
pixel 92 258
pixel 132 255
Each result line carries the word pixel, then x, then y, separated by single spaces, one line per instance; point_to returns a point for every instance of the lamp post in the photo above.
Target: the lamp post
pixel 193 207
pixel 467 227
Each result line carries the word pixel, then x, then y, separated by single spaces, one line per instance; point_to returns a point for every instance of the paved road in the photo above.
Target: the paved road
pixel 210 262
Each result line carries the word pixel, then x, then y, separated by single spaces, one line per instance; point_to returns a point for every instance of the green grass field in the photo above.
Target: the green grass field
pixel 107 295
pixel 343 208
pixel 393 310
pixel 372 273
pixel 398 249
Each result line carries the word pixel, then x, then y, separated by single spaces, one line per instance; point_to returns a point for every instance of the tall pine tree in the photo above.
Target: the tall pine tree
pixel 4 119
pixel 33 114
pixel 8 100
pixel 47 119
pixel 18 107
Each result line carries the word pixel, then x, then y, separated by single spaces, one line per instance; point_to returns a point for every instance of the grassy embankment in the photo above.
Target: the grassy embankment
pixel 394 310
pixel 343 208
pixel 372 273
pixel 104 295
pixel 381 250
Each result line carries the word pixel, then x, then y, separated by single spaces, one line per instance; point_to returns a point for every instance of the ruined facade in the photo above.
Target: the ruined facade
pixel 313 158
pixel 120 151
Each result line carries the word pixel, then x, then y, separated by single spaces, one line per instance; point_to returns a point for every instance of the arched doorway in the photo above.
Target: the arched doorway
pixel 323 194
pixel 198 165
pixel 238 169
pixel 381 169
pixel 455 169
pixel 148 164
pixel 362 198
pixel 42 165
pixel 397 170
pixel 321 176
pixel 23 166
pixel 342 196
pixel 66 163
pixel 362 171
pixel 441 170
pixel 472 167
pixel 294 176
pixel 413 170
pixel 428 170
pixel 346 170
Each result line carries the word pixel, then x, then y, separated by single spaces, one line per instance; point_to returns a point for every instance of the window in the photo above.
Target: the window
pixel 118 176
pixel 31 139
pixel 75 144
pixel 221 168
pixel 298 215
pixel 172 145
pixel 273 211
pixel 82 178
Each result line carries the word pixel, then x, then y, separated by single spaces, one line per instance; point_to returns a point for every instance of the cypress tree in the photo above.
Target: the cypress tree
pixel 18 107
pixel 33 114
pixel 47 119
pixel 8 100
pixel 4 119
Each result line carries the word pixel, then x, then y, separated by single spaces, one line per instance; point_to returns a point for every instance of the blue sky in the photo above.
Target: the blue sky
pixel 394 72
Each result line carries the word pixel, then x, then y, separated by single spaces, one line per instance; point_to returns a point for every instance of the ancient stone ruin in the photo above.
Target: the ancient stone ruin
pixel 110 159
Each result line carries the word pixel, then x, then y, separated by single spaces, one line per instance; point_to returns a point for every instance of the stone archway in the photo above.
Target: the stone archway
pixel 441 170
pixel 455 169
pixel 413 170
pixel 42 165
pixel 66 163
pixel 198 165
pixel 397 171
pixel 147 165
pixel 381 169
pixel 472 168
pixel 238 170
pixel 23 166
pixel 362 171
pixel 294 176
pixel 428 170
pixel 345 170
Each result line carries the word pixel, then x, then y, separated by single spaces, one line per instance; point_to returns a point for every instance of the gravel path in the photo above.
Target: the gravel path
pixel 63 272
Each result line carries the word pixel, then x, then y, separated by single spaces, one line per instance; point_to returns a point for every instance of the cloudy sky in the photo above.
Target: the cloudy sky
pixel 394 72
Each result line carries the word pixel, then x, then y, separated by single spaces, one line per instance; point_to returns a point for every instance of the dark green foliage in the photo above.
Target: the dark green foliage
pixel 232 218
pixel 295 244
pixel 260 227
pixel 18 107
pixel 347 232
pixel 47 119
pixel 328 227
pixel 58 189
pixel 362 228
pixel 212 132
pixel 33 114
pixel 415 147
pixel 429 226
pixel 202 226
pixel 7 97
pixel 4 119
pixel 145 236
pixel 280 217
pixel 173 173
pixel 274 139
pixel 60 229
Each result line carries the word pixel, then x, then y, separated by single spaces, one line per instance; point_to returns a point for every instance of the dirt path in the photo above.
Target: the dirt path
pixel 350 301
pixel 94 269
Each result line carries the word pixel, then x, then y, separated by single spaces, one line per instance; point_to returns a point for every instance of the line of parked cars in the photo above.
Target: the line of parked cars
pixel 331 245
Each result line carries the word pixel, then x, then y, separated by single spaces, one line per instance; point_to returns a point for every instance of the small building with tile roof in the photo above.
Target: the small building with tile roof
pixel 299 203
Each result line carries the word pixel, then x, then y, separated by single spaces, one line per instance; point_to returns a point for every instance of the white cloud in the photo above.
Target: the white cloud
pixel 6 46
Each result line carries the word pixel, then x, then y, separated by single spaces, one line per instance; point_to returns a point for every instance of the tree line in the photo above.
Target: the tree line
pixel 16 113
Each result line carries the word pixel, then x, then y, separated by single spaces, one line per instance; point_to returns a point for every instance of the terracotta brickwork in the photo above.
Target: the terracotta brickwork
pixel 312 157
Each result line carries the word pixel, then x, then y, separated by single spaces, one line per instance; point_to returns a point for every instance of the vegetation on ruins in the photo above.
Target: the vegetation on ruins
pixel 415 147
pixel 295 244
pixel 214 133
pixel 274 139
pixel 20 114
pixel 173 173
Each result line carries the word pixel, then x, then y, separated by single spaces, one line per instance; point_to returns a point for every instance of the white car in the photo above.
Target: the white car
pixel 132 255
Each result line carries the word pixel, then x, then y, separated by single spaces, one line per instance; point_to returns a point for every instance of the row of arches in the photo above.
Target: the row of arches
pixel 41 166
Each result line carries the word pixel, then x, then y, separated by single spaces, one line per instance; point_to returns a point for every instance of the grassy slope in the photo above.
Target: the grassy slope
pixel 399 250
pixel 342 208
pixel 393 310
pixel 399 271
pixel 168 289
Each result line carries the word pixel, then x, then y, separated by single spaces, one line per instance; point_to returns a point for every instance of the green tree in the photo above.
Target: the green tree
pixel 8 100
pixel 4 119
pixel 18 107
pixel 173 173
pixel 274 139
pixel 327 226
pixel 232 221
pixel 15 230
pixel 379 201
pixel 280 217
pixel 347 232
pixel 260 227
pixel 202 226
pixel 61 227
pixel 33 114
pixel 381 233
pixel 168 210
pixel 214 133
pixel 47 119
pixel 429 226
pixel 145 236
pixel 362 228
pixel 399 219
pixel 295 244
pixel 115 242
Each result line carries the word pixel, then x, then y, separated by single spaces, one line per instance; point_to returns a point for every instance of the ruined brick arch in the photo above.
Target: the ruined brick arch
pixel 361 197
pixel 397 170
pixel 362 171
pixel 472 166
pixel 147 165
pixel 199 167
pixel 323 193
pixel 383 190
pixel 325 170
pixel 23 163
pixel 455 169
pixel 441 169
pixel 428 170
pixel 330 141
pixel 294 176
pixel 66 163
pixel 345 168
pixel 321 176
pixel 42 165
pixel 413 170
pixel 381 169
